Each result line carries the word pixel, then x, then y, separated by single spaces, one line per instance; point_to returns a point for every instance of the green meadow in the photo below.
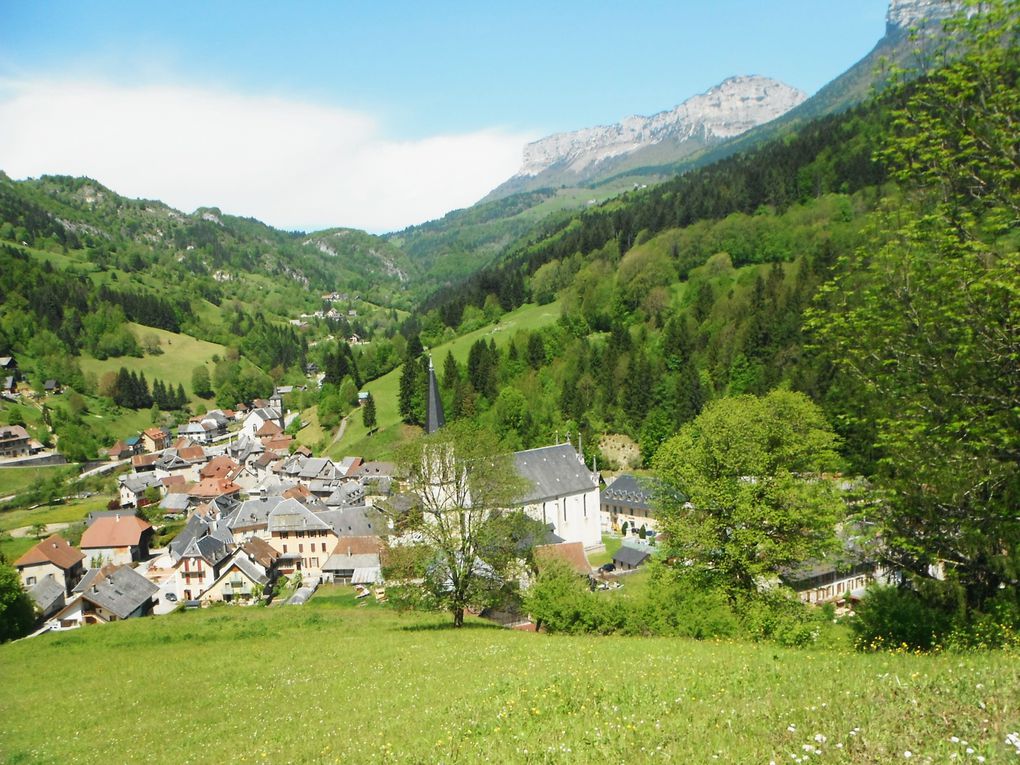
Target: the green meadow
pixel 389 431
pixel 335 682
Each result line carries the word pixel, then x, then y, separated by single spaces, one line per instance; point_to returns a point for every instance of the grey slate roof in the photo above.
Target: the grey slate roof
pixel 196 528
pixel 208 548
pixel 48 594
pixel 355 521
pixel 630 556
pixel 175 503
pixel 553 471
pixel 137 483
pixel 348 495
pixel 345 562
pixel 121 591
pixel 291 515
pixel 253 512
pixel 629 491
pixel 434 416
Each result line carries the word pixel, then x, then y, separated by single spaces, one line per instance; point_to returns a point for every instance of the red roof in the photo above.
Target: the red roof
pixel 54 549
pixel 269 428
pixel 114 531
pixel 220 467
pixel 213 487
pixel 571 553
pixel 156 434
pixel 144 460
pixel 191 453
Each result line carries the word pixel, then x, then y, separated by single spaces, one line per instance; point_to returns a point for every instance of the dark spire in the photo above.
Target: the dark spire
pixel 434 417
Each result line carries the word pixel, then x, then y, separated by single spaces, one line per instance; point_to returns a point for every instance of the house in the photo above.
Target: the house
pixel 125 448
pixel 121 538
pixel 628 500
pixel 48 595
pixel 562 492
pixel 303 539
pixel 247 573
pixel 155 439
pixel 194 431
pixel 9 384
pixel 221 466
pixel 570 553
pixel 347 567
pixel 14 441
pixel 175 505
pixel 210 488
pixel 51 387
pixel 355 521
pixel 52 557
pixel 134 485
pixel 8 365
pixel 824 581
pixel 258 417
pixel 628 558
pixel 107 594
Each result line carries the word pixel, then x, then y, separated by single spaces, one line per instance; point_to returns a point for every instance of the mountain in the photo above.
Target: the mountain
pixel 733 107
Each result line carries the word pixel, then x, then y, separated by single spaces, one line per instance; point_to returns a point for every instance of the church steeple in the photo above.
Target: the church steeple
pixel 434 417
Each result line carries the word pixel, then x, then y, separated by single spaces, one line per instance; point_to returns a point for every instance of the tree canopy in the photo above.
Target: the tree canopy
pixel 744 493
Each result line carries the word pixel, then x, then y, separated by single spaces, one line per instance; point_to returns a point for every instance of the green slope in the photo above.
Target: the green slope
pixel 327 682
pixel 390 431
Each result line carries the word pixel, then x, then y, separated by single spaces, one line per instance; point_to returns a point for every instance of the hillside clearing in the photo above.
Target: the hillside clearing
pixel 384 390
pixel 340 683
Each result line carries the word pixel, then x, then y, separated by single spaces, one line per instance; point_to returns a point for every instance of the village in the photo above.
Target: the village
pixel 265 521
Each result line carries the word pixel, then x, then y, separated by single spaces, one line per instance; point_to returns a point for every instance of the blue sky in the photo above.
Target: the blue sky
pixel 396 111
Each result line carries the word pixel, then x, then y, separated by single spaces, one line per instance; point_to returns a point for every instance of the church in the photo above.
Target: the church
pixel 563 492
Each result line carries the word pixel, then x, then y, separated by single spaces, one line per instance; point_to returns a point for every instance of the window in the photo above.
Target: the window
pixel 300 548
pixel 285 549
pixel 324 547
pixel 29 581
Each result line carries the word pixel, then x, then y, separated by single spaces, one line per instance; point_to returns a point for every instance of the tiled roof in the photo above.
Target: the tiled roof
pixel 54 549
pixel 571 553
pixel 114 531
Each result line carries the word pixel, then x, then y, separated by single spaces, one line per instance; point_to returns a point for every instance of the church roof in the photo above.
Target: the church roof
pixel 434 416
pixel 553 471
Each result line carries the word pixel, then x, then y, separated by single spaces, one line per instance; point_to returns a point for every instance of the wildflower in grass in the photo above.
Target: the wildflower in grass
pixel 908 754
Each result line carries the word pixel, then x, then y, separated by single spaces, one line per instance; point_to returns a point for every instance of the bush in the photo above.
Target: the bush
pixel 898 617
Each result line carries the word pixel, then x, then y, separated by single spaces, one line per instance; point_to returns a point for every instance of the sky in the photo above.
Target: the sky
pixel 375 114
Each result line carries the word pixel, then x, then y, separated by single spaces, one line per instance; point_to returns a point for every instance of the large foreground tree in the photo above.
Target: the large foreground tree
pixel 743 489
pixel 462 545
pixel 927 321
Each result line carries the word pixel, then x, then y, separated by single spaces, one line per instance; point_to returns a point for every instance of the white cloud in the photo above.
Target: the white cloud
pixel 289 163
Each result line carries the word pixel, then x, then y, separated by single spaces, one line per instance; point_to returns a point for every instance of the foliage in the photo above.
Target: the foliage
pixel 743 488
pixel 17 612
pixel 924 322
pixel 466 543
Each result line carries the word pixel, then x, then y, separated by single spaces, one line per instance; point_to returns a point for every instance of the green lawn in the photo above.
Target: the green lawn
pixel 612 543
pixel 390 431
pixel 16 479
pixel 68 513
pixel 326 682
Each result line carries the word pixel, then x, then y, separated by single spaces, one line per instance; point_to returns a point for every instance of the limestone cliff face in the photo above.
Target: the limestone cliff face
pixel 906 14
pixel 729 109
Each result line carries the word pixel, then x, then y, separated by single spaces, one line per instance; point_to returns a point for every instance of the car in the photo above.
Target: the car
pixel 170 597
pixel 607 567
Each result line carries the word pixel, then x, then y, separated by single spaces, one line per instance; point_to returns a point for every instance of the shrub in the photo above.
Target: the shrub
pixel 898 617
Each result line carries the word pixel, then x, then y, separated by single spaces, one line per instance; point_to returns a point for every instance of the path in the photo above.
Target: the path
pixel 26 531
pixel 339 431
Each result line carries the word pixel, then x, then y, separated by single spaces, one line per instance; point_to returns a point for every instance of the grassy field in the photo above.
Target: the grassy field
pixel 329 682
pixel 15 479
pixel 66 513
pixel 181 354
pixel 389 431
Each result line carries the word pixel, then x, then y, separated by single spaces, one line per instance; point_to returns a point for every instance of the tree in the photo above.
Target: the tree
pixel 469 544
pixel 743 491
pixel 200 383
pixel 924 322
pixel 368 412
pixel 17 614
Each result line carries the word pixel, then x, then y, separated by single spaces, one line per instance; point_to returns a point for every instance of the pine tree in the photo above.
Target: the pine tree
pixel 368 412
